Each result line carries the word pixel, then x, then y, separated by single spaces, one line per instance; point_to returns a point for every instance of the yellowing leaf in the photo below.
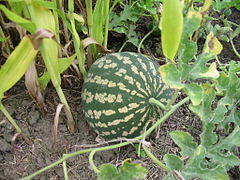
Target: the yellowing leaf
pixel 171 27
pixel 171 76
pixel 212 45
pixel 16 64
pixel 212 72
pixel 206 6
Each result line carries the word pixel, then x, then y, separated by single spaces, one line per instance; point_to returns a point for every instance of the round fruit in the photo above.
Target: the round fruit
pixel 116 93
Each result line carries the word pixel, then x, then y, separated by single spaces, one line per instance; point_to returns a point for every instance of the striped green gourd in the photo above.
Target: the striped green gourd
pixel 116 93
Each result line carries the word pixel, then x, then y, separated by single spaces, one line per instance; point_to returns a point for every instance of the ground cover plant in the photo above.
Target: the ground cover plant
pixel 52 34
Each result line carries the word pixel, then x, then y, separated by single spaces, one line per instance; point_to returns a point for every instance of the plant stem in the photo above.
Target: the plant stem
pixel 106 24
pixel 76 40
pixel 158 103
pixel 164 117
pixel 89 16
pixel 91 162
pixel 10 119
pixel 65 170
pixel 66 156
pixel 234 48
pixel 148 152
pixel 124 44
pixel 143 39
pixel 70 122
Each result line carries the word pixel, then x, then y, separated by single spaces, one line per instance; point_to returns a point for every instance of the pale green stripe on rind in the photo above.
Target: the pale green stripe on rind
pixel 116 92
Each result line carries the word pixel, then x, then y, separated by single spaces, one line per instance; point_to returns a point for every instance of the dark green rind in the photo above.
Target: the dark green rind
pixel 116 92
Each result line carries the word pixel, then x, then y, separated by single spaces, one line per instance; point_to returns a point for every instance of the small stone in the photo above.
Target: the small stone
pixel 59 171
pixel 4 145
pixel 8 137
pixel 34 117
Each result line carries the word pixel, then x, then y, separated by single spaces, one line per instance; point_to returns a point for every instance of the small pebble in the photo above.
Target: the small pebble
pixel 34 117
pixel 4 145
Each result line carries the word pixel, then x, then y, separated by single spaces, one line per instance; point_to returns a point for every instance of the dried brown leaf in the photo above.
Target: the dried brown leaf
pixel 37 37
pixel 89 41
pixel 33 86
pixel 55 125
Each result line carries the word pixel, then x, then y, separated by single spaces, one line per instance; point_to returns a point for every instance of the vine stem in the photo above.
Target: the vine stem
pixel 65 170
pixel 91 162
pixel 234 48
pixel 143 39
pixel 151 129
pixel 158 103
pixel 148 152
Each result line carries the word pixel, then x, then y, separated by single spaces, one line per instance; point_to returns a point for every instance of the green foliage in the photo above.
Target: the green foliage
pixel 173 162
pixel 126 22
pixel 16 64
pixel 214 99
pixel 218 5
pixel 127 171
pixel 171 26
pixel 28 25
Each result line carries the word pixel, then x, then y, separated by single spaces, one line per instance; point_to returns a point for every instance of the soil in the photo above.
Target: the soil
pixel 18 159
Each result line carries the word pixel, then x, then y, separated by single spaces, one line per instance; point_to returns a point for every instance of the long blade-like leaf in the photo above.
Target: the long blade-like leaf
pixel 28 25
pixel 16 64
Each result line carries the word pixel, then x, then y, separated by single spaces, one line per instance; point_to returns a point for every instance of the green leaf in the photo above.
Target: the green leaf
pixel 185 141
pixel 200 70
pixel 225 159
pixel 171 76
pixel 194 168
pixel 132 35
pixel 222 82
pixel 100 14
pixel 169 177
pixel 173 162
pixel 16 64
pixel 219 113
pixel 64 63
pixel 132 170
pixel 234 117
pixel 204 110
pixel 233 90
pixel 107 172
pixel 211 72
pixel 219 5
pixel 171 27
pixel 44 18
pixel 234 66
pixel 208 136
pixel 206 6
pixel 188 48
pixel 194 92
pixel 26 24
pixel 46 4
pixel 231 140
pixel 126 22
pixel 127 171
